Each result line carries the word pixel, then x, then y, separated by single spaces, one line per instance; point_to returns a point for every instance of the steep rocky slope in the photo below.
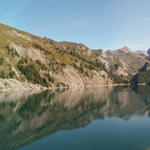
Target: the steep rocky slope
pixel 143 76
pixel 28 58
pixel 130 61
pixel 122 63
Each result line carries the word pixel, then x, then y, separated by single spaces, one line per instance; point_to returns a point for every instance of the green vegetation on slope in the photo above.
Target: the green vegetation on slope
pixel 44 61
pixel 40 60
pixel 143 76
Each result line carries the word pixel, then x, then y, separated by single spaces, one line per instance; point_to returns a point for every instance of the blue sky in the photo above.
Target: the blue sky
pixel 106 24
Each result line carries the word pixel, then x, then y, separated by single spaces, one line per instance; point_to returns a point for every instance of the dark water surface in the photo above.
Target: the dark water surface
pixel 97 119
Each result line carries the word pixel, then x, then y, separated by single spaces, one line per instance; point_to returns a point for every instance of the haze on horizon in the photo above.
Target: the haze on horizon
pixel 106 24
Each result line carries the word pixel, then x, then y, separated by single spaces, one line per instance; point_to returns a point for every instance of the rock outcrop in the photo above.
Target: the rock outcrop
pixel 43 61
pixel 143 76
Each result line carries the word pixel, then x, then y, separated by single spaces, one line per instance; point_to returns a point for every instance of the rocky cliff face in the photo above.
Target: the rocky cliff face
pixel 122 63
pixel 131 60
pixel 143 76
pixel 28 58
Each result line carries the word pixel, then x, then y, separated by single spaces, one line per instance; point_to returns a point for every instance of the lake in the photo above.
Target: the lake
pixel 112 118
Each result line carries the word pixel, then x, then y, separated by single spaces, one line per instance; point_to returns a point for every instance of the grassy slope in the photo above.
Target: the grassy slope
pixel 55 57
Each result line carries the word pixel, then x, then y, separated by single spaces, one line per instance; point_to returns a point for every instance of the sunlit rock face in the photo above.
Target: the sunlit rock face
pixel 29 58
pixel 30 118
pixel 48 63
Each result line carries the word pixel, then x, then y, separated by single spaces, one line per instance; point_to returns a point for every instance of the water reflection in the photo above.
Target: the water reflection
pixel 28 119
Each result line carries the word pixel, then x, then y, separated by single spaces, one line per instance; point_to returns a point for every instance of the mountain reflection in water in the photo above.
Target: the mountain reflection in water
pixel 30 119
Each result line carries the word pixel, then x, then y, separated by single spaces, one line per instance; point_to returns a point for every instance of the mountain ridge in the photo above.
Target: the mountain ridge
pixel 28 58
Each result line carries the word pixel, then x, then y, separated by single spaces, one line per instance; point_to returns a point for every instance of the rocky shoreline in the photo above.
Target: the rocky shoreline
pixel 13 89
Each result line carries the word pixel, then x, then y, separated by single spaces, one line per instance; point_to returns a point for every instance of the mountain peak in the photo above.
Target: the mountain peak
pixel 125 48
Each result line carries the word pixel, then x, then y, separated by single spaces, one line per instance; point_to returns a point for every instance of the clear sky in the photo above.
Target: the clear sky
pixel 106 24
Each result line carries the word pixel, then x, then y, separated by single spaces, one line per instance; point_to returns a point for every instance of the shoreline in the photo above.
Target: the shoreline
pixel 13 85
pixel 120 84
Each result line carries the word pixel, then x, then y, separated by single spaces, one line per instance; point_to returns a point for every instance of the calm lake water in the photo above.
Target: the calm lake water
pixel 93 119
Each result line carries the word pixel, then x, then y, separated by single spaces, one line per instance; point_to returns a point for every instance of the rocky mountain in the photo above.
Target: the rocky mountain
pixel 28 58
pixel 142 53
pixel 143 76
pixel 37 60
pixel 130 60
pixel 123 63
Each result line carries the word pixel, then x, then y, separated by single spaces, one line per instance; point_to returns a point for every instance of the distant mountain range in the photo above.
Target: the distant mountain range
pixel 28 58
